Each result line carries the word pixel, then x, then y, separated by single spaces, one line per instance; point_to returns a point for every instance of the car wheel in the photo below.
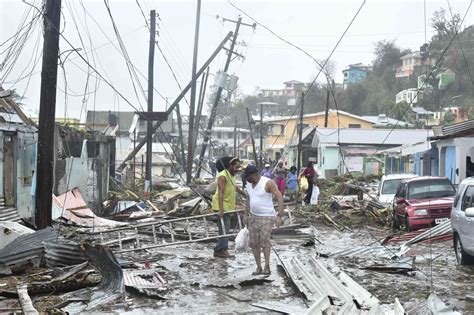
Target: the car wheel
pixel 461 256
pixel 395 223
pixel 407 225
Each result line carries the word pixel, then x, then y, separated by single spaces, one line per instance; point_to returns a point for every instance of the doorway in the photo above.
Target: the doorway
pixel 8 170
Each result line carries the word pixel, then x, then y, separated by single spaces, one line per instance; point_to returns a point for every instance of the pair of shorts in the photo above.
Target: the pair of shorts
pixel 260 231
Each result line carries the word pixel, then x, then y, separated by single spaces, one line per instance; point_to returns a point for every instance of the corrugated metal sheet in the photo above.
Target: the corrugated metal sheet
pixel 454 129
pixel 26 249
pixel 141 279
pixel 441 231
pixel 63 253
pixel 319 282
pixel 316 281
pixel 364 251
pixel 9 214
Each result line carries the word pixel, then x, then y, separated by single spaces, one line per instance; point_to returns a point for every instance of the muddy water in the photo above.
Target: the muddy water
pixel 191 268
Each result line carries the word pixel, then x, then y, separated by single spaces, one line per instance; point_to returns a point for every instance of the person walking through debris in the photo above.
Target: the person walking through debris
pixel 310 175
pixel 224 201
pixel 279 173
pixel 261 215
pixel 267 171
pixel 292 183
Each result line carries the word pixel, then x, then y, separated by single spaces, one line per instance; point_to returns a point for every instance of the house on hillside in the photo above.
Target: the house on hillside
pixel 409 96
pixel 410 61
pixel 281 130
pixel 382 121
pixel 355 73
pixel 359 150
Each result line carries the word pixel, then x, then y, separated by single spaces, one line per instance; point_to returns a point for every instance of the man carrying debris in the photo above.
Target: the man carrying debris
pixel 224 200
pixel 261 215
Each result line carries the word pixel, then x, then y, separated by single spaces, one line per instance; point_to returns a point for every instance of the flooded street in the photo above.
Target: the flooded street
pixel 200 283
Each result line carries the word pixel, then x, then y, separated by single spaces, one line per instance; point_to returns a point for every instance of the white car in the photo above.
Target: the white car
pixel 388 187
pixel 462 221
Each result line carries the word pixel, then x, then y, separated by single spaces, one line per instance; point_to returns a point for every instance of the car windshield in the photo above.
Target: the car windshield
pixel 432 188
pixel 390 186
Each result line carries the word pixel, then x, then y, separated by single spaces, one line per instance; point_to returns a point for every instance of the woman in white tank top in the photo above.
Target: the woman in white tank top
pixel 263 216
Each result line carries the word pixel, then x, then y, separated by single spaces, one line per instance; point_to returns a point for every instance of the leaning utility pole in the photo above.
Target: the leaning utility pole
pixel 180 133
pixel 261 135
pixel 192 106
pixel 49 75
pixel 252 138
pixel 235 136
pixel 175 102
pixel 197 120
pixel 149 126
pixel 217 98
pixel 300 132
pixel 326 114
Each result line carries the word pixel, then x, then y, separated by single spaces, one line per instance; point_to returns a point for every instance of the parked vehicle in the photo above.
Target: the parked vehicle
pixel 423 202
pixel 462 221
pixel 388 187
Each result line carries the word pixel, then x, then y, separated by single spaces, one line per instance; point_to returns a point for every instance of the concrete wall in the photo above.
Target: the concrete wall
pixel 25 164
pixel 463 147
pixel 328 160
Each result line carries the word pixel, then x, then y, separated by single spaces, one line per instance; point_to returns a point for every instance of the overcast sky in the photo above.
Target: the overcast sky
pixel 313 25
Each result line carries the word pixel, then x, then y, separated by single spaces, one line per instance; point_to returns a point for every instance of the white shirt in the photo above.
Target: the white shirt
pixel 261 202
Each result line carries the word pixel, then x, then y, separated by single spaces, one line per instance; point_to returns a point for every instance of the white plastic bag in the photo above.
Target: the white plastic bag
pixel 314 195
pixel 242 239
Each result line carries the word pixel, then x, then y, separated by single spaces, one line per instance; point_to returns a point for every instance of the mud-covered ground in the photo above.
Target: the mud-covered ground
pixel 199 283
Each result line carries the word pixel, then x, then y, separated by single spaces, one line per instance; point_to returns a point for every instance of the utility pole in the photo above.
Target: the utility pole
pixel 49 76
pixel 261 135
pixel 252 138
pixel 326 114
pixel 149 127
pixel 175 103
pixel 217 98
pixel 300 132
pixel 235 136
pixel 180 133
pixel 191 135
pixel 202 94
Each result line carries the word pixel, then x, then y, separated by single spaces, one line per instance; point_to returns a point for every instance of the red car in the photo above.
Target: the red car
pixel 423 202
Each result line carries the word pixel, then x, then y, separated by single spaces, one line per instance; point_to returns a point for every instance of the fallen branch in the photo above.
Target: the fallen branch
pixel 25 300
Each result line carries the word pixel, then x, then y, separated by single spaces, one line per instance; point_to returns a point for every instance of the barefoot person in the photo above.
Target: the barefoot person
pixel 261 215
pixel 224 201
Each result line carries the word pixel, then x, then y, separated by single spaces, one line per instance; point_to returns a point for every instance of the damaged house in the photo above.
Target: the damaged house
pixel 359 150
pixel 18 161
pixel 84 160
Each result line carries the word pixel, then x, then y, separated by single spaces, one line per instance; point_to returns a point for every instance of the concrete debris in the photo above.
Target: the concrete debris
pixel 9 231
pixel 438 307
